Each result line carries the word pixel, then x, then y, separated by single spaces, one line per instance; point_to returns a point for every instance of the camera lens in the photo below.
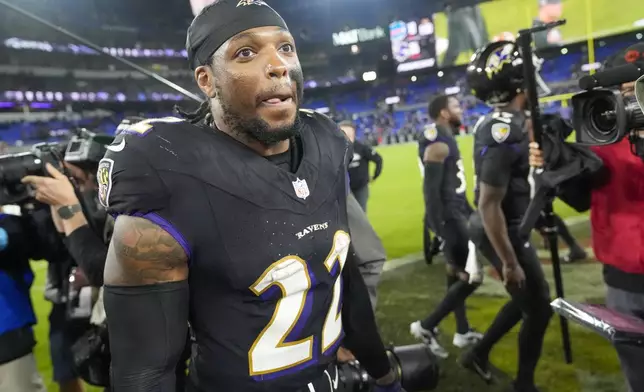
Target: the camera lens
pixel 634 114
pixel 603 116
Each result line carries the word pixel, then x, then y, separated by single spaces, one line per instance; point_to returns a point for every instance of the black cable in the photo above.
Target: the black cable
pixel 99 49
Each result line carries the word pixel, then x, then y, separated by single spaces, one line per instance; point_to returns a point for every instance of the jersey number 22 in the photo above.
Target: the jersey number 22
pixel 270 353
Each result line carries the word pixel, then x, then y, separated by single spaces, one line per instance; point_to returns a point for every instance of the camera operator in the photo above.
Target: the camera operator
pixel 617 221
pixel 87 249
pixel 18 372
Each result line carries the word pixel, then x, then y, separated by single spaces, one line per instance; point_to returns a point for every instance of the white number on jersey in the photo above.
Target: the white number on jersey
pixel 461 177
pixel 269 353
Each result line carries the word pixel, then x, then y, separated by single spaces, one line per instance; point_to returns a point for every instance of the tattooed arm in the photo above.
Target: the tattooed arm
pixel 142 253
pixel 146 300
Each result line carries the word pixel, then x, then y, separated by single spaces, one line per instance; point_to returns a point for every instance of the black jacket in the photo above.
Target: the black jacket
pixel 569 172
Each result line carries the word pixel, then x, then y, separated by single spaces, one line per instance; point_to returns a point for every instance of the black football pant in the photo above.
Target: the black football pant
pixel 456 239
pixel 530 304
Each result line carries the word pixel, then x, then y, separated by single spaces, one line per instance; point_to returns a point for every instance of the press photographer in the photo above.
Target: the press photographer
pixel 86 245
pixel 612 123
pixel 74 211
pixel 18 371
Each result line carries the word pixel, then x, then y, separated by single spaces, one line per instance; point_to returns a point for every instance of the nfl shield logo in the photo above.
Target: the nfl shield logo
pixel 301 189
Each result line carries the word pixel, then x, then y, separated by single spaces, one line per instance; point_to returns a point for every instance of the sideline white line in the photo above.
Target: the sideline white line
pixel 394 264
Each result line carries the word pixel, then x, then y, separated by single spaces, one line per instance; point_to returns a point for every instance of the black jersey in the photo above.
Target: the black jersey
pixel 266 246
pixel 454 184
pixel 501 159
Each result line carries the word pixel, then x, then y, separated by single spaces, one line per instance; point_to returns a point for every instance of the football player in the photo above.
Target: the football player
pixel 502 194
pixel 447 211
pixel 233 220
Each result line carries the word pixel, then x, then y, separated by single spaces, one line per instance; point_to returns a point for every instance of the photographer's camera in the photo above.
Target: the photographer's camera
pixel 603 115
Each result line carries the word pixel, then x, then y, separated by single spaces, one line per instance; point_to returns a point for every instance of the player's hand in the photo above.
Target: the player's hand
pixel 55 191
pixel 513 276
pixel 536 156
pixel 345 355
pixel 393 386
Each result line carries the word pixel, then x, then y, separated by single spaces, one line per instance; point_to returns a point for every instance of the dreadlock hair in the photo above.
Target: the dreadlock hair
pixel 197 116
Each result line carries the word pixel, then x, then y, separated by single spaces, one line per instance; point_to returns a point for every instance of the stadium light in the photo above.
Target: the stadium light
pixel 369 76
pixel 414 78
pixel 440 74
pixel 564 50
pixel 355 49
pixel 392 100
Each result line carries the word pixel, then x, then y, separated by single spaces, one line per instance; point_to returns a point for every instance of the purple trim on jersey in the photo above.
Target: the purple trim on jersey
pixel 294 369
pixel 348 183
pixel 338 342
pixel 304 316
pixel 272 292
pixel 514 146
pixel 139 134
pixel 168 227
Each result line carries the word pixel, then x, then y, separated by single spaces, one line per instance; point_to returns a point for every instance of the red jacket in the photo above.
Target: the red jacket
pixel 617 210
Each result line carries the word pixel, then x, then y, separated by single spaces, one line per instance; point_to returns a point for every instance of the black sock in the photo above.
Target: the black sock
pixel 455 297
pixel 505 320
pixel 462 324
pixel 531 336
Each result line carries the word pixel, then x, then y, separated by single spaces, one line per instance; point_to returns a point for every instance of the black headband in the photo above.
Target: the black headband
pixel 222 21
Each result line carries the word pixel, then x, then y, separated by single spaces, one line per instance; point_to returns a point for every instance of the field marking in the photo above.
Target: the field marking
pixel 394 264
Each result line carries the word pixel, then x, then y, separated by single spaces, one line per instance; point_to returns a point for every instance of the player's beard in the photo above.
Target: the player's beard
pixel 456 123
pixel 255 128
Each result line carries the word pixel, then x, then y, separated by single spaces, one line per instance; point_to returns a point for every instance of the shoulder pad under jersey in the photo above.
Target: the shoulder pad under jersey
pixel 320 121
pixel 430 132
pixel 315 119
pixel 500 128
pixel 143 127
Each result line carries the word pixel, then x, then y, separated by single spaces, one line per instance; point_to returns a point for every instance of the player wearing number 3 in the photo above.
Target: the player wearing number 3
pixel 447 212
pixel 233 220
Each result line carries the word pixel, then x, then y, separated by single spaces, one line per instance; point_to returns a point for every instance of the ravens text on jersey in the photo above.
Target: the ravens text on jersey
pixel 266 246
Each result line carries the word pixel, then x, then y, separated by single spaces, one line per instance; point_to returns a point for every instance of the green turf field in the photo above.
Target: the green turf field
pixel 409 292
pixel 396 203
pixel 603 17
